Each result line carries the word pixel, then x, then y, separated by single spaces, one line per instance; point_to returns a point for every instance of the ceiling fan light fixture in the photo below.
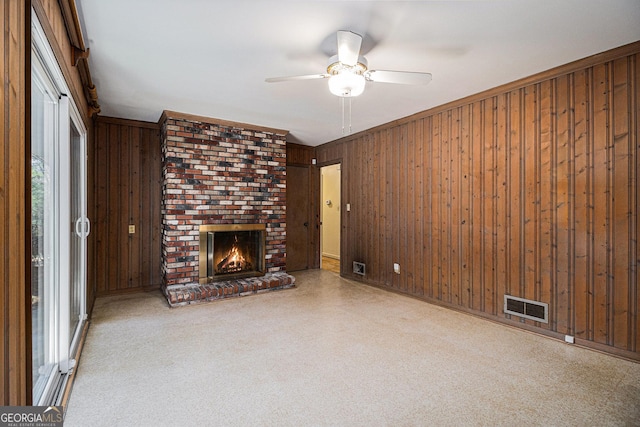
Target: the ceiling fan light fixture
pixel 346 84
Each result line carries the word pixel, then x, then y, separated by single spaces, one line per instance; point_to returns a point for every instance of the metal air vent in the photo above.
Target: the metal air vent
pixel 359 268
pixel 533 310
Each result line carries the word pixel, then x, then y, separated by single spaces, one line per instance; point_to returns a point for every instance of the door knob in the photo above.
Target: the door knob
pixel 306 224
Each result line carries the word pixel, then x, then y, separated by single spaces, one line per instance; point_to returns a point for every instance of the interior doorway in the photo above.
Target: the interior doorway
pixel 330 213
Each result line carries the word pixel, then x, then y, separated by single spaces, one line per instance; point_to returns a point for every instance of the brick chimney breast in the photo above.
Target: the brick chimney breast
pixel 217 172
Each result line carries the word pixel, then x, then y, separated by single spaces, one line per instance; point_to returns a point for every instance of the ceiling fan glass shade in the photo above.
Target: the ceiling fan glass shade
pixel 346 84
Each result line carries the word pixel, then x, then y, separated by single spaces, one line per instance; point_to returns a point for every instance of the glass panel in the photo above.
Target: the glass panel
pixel 235 251
pixel 43 255
pixel 77 233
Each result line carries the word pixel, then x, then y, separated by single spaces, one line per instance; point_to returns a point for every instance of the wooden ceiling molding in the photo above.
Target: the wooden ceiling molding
pixel 80 53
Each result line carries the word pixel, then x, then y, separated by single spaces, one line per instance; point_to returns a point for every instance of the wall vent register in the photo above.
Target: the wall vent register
pixel 528 309
pixel 358 268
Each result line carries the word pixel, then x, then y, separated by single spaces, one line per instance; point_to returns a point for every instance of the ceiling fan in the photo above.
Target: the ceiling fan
pixel 348 71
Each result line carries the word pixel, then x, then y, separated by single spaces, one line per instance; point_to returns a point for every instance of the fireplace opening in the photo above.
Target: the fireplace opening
pixel 231 251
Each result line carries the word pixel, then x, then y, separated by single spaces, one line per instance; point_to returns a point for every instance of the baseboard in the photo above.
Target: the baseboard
pixel 332 256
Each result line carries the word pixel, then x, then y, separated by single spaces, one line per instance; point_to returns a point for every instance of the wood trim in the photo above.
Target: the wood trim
pixel 15 230
pixel 90 91
pixel 72 22
pixel 63 12
pixel 127 122
pixel 219 122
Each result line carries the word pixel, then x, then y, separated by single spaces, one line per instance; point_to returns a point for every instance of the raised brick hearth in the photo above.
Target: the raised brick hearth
pixel 179 295
pixel 217 172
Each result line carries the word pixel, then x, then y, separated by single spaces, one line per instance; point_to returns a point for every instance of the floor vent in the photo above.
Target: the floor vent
pixel 358 268
pixel 526 308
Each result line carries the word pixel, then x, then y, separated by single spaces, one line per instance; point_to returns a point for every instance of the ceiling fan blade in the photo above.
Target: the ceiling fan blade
pixel 293 78
pixel 400 77
pixel 349 47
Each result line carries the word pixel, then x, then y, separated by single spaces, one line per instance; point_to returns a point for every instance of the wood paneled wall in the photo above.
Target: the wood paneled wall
pixel 15 260
pixel 127 191
pixel 299 155
pixel 528 190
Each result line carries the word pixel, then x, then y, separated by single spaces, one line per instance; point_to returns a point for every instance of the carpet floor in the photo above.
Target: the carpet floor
pixel 333 352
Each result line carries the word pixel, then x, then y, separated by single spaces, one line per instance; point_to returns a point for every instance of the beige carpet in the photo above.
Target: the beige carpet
pixel 337 353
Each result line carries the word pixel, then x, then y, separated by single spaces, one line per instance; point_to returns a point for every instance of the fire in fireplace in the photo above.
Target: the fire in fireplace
pixel 231 251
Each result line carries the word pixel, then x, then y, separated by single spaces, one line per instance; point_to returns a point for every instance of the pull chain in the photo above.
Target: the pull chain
pixel 342 102
pixel 343 114
pixel 349 115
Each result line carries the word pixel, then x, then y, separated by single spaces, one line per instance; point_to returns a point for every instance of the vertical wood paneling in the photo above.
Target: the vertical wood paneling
pixel 529 191
pixel 436 207
pixel 114 211
pixel 135 263
pixel 488 206
pixel 373 175
pixel 389 212
pixel 601 206
pixel 15 300
pixel 515 192
pixel 122 267
pixel 299 154
pixel 397 195
pixel 372 207
pixel 420 203
pixel 530 179
pixel 477 175
pixel 443 208
pixel 621 213
pixel 502 201
pixel 454 210
pixel 634 285
pixel 546 175
pixel 127 174
pixel 409 172
pixel 582 206
pixel 562 257
pixel 145 205
pixel 427 239
pixel 466 248
pixel 99 232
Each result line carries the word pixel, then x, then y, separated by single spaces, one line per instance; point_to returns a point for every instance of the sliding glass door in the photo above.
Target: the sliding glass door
pixel 59 224
pixel 44 257
pixel 79 233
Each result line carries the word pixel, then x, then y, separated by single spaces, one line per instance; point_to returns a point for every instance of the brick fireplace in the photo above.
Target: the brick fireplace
pixel 217 172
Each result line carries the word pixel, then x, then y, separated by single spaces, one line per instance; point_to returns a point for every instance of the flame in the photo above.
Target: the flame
pixel 234 260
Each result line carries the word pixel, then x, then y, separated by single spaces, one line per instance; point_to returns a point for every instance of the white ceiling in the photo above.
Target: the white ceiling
pixel 210 58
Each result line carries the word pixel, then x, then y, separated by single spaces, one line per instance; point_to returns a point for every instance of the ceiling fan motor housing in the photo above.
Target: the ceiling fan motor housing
pixel 346 80
pixel 335 66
